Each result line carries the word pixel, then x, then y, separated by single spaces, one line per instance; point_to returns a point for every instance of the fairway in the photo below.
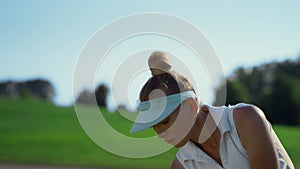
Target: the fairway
pixel 38 132
pixel 34 131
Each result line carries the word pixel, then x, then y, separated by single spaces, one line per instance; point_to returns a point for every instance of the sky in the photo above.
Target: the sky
pixel 44 39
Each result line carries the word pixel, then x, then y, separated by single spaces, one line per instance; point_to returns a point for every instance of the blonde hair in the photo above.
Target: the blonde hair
pixel 163 77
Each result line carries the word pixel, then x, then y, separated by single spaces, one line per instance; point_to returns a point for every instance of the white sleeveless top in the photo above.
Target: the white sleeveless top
pixel 232 153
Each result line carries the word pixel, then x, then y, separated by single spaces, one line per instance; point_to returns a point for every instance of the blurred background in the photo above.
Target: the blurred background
pixel 257 44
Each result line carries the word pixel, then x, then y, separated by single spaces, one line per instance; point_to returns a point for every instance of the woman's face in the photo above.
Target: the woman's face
pixel 176 128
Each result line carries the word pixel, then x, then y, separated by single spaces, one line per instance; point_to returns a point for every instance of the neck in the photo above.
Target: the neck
pixel 207 136
pixel 206 131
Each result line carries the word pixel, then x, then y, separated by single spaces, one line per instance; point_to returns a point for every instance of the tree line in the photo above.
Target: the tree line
pixel 44 90
pixel 38 88
pixel 274 87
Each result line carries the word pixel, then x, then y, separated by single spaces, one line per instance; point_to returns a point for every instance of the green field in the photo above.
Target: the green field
pixel 38 132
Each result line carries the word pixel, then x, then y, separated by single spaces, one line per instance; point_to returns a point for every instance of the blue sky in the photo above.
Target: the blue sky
pixel 44 38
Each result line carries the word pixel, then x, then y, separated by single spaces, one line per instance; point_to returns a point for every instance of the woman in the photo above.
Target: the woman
pixel 233 137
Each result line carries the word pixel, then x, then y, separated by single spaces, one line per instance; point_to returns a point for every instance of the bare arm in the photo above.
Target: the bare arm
pixel 254 134
pixel 176 164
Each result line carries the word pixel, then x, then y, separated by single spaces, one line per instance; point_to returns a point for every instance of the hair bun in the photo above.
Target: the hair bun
pixel 159 63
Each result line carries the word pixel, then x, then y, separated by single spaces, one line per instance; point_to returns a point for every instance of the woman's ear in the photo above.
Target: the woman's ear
pixel 193 105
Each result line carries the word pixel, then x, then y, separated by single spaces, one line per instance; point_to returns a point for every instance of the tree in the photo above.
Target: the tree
pixel 236 92
pixel 284 99
pixel 101 94
pixel 38 88
pixel 86 97
pixel 274 87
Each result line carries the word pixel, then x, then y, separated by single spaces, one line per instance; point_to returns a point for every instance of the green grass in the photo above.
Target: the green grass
pixel 290 139
pixel 33 131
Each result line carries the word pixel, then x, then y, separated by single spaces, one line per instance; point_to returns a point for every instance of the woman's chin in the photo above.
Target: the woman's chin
pixel 178 145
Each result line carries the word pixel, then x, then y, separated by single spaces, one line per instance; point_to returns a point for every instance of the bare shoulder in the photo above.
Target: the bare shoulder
pixel 249 119
pixel 247 113
pixel 176 164
pixel 254 133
